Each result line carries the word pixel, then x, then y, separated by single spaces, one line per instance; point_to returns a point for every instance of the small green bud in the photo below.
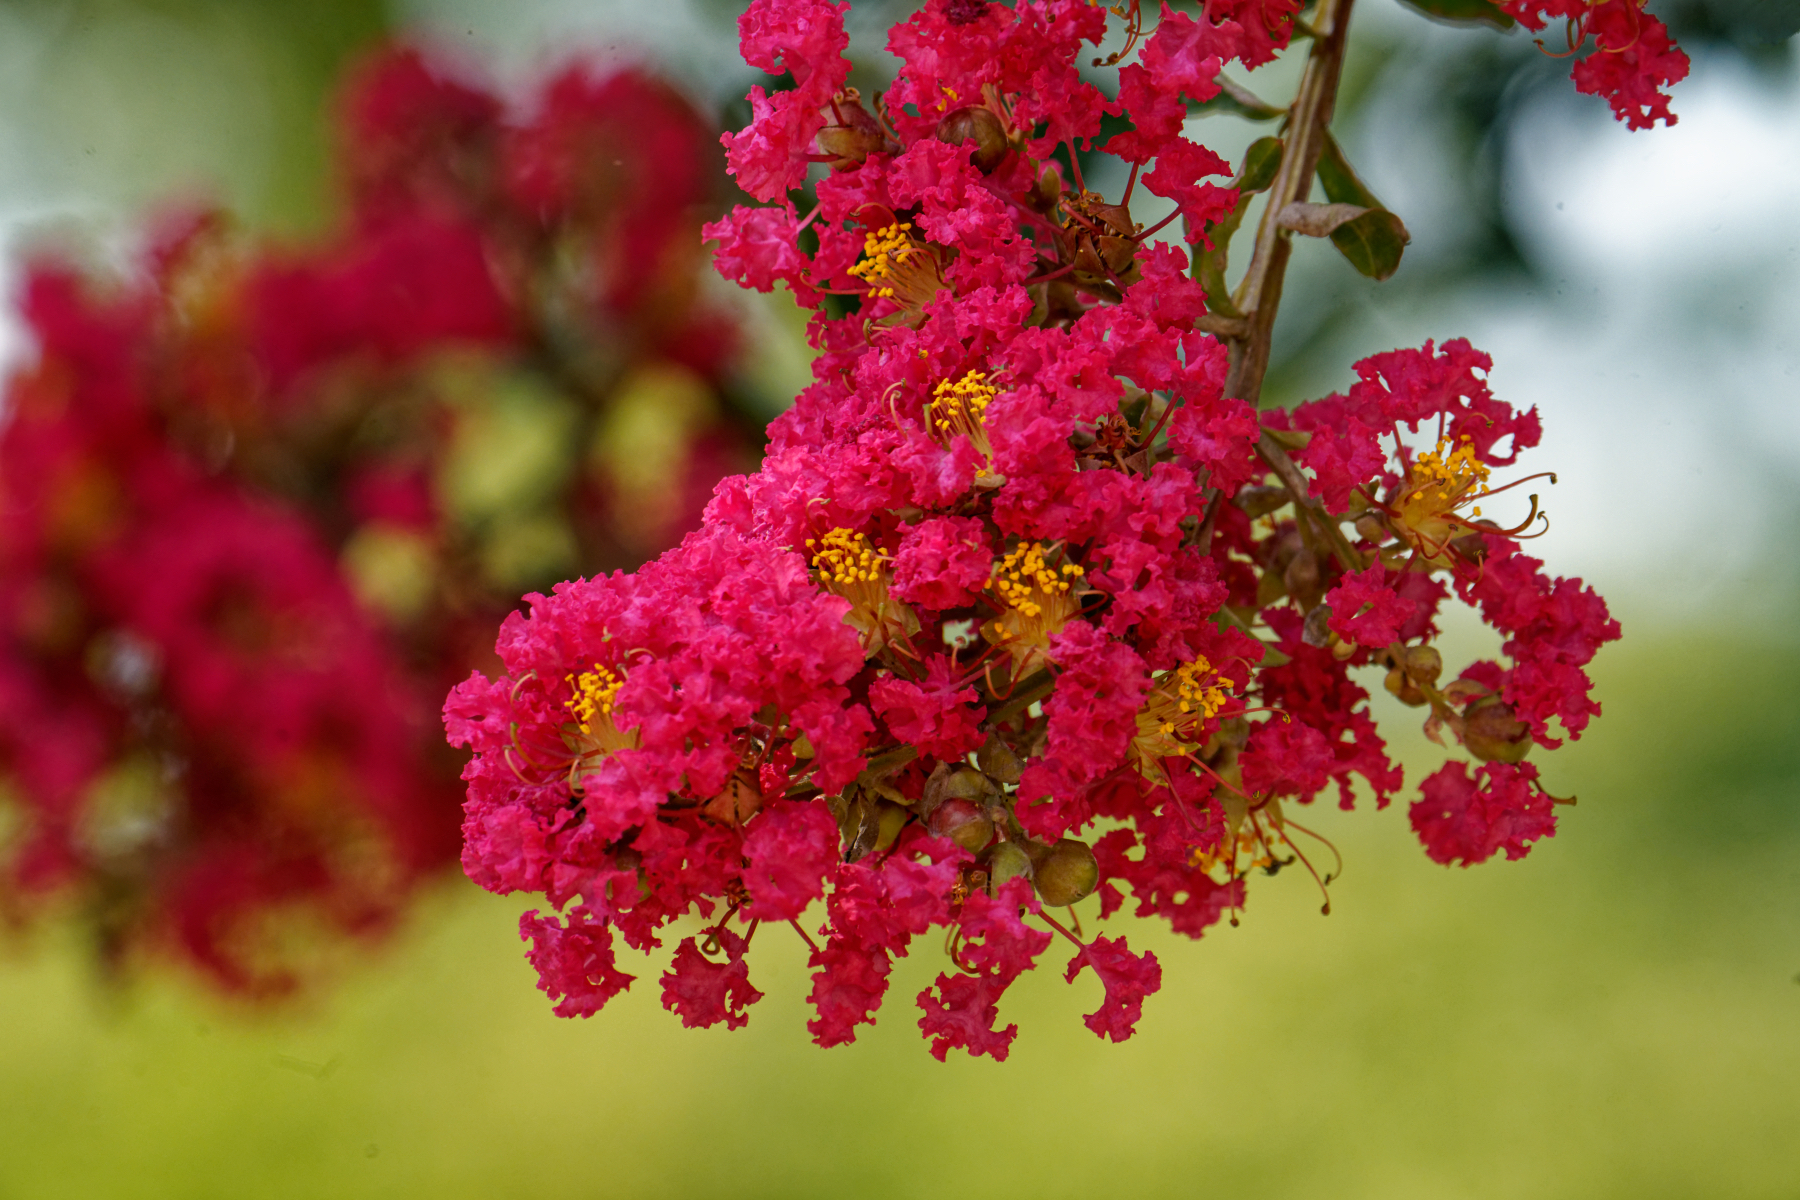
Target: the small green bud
pixel 998 761
pixel 1008 861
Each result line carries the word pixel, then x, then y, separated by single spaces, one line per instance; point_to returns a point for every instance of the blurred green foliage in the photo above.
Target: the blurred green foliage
pixel 1617 1015
pixel 129 101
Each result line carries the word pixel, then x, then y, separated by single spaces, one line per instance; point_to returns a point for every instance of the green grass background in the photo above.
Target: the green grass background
pixel 1617 1015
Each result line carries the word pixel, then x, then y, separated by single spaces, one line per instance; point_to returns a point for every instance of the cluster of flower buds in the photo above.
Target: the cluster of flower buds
pixel 258 521
pixel 1022 607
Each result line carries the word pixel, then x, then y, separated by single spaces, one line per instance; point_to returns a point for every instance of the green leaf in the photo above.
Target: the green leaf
pixel 1209 265
pixel 1463 12
pixel 1261 161
pixel 1339 178
pixel 1373 242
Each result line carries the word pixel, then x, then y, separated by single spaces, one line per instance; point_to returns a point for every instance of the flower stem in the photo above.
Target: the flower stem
pixel 1259 295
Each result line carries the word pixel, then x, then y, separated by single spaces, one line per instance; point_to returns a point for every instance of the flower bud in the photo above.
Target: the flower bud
pixel 1316 631
pixel 1372 528
pixel 851 134
pixel 1258 501
pixel 1402 688
pixel 1492 733
pixel 1067 874
pixel 1301 578
pixel 954 782
pixel 1008 861
pixel 1418 665
pixel 981 126
pixel 998 761
pixel 963 823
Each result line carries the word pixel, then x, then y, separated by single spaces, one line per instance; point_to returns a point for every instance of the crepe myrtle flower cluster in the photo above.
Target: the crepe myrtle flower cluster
pixel 238 562
pixel 1023 606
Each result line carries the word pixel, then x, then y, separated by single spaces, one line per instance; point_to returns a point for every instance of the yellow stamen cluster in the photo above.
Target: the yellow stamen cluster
pixel 1192 695
pixel 1248 849
pixel 1169 723
pixel 1450 470
pixel 844 557
pixel 883 251
pixel 595 691
pixel 849 565
pixel 1026 581
pixel 959 407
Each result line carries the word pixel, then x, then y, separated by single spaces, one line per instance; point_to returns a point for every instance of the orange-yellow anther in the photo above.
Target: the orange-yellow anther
pixel 1448 471
pixel 958 407
pixel 849 565
pixel 595 691
pixel 844 558
pixel 1026 581
pixel 1192 695
pixel 1179 704
pixel 884 250
pixel 1036 598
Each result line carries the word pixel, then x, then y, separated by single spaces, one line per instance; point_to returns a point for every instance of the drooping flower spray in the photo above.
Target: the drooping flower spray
pixel 1029 603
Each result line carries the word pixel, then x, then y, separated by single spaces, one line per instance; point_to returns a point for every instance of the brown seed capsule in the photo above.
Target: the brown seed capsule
pixel 850 134
pixel 1302 578
pixel 1068 874
pixel 1008 861
pixel 1259 501
pixel 1424 663
pixel 963 823
pixel 1493 734
pixel 1316 630
pixel 981 126
pixel 1403 689
pixel 998 761
pixel 1418 665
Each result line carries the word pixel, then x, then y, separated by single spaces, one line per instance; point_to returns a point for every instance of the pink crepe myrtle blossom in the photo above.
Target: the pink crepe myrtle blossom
pixel 1027 603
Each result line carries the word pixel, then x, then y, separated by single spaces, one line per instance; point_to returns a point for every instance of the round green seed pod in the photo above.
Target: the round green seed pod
pixel 1008 861
pixel 963 823
pixel 1493 734
pixel 1068 873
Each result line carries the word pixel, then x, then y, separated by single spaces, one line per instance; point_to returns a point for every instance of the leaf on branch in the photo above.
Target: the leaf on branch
pixel 1261 162
pixel 1339 179
pixel 1374 240
pixel 1318 220
pixel 1464 12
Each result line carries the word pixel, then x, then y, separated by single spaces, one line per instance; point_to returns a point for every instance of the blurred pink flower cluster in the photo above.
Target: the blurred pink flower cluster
pixel 1023 606
pixel 252 529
